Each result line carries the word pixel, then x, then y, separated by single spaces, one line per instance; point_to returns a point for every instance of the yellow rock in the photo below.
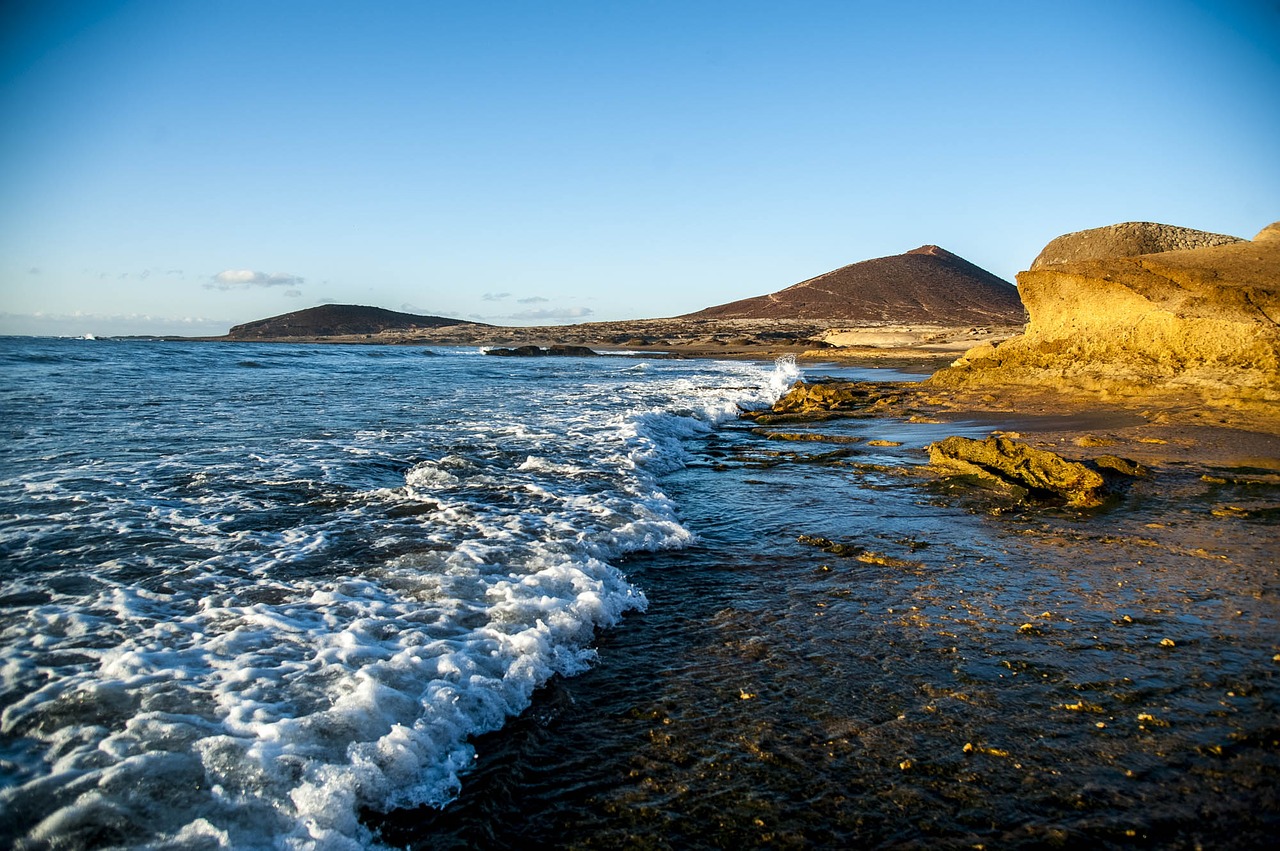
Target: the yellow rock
pixel 1199 324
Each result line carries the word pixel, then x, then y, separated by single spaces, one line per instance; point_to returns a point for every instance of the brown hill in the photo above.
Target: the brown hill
pixel 337 320
pixel 928 285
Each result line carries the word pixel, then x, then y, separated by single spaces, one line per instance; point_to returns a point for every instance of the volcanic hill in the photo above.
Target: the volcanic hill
pixel 928 286
pixel 337 320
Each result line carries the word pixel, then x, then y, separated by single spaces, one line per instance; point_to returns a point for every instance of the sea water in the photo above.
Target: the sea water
pixel 249 592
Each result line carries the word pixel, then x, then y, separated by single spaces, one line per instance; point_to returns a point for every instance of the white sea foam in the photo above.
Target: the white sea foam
pixel 244 644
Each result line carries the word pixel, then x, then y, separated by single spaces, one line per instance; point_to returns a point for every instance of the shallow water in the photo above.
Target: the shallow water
pixel 275 596
pixel 1005 677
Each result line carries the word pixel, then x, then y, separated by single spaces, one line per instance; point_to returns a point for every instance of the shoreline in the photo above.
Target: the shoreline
pixel 861 653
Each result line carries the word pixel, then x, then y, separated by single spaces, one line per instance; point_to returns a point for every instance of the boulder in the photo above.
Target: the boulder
pixel 805 398
pixel 1016 467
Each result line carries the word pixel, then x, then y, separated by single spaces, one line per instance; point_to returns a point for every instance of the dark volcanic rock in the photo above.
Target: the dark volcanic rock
pixel 337 320
pixel 539 352
pixel 926 286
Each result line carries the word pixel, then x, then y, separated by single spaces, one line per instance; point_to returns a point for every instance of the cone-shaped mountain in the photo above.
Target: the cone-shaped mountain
pixel 928 285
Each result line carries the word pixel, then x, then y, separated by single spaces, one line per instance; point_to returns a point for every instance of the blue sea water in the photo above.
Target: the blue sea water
pixel 271 596
pixel 250 591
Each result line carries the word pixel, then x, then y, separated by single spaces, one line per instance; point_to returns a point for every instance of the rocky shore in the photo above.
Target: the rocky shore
pixel 913 624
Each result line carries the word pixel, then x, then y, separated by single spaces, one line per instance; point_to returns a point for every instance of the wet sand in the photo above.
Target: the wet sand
pixel 960 671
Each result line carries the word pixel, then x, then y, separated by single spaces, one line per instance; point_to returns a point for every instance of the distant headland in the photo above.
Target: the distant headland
pixel 926 303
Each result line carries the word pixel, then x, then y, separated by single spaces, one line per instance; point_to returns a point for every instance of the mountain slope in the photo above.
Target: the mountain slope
pixel 336 320
pixel 928 285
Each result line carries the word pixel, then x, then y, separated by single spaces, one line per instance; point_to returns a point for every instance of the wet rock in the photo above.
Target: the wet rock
pixel 1010 465
pixel 809 398
pixel 539 351
pixel 1123 466
pixel 829 546
pixel 824 400
pixel 808 436
pixel 854 551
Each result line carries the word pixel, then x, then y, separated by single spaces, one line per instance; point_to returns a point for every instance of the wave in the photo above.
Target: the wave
pixel 270 657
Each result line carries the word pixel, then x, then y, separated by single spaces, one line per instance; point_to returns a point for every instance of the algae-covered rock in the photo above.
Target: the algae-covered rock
pixel 1004 463
pixel 805 398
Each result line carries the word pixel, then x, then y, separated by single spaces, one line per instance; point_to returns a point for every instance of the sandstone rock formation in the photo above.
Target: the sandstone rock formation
pixel 1202 324
pixel 336 320
pixel 1128 239
pixel 927 285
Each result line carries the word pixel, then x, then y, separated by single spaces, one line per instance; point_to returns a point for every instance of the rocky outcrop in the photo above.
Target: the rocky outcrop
pixel 1128 239
pixel 804 398
pixel 927 286
pixel 1018 469
pixel 1202 324
pixel 540 352
pixel 831 399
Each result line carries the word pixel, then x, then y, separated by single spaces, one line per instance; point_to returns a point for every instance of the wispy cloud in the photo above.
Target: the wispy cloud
pixel 533 299
pixel 34 270
pixel 107 324
pixel 409 307
pixel 239 279
pixel 552 313
pixel 495 296
pixel 293 293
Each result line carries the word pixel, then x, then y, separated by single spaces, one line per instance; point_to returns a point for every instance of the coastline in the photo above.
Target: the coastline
pixel 957 669
pixel 855 651
pixel 747 339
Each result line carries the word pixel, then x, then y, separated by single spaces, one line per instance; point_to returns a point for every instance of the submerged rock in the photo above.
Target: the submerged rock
pixel 1009 465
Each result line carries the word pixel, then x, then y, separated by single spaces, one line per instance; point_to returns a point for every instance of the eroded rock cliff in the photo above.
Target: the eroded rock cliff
pixel 1202 324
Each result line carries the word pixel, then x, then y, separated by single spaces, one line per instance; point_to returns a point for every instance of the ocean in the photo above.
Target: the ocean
pixel 335 597
pixel 250 590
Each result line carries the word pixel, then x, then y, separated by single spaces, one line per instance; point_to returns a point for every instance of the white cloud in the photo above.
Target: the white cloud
pixel 533 299
pixel 238 279
pixel 495 296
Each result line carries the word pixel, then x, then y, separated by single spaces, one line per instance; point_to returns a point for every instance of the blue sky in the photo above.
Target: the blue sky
pixel 177 166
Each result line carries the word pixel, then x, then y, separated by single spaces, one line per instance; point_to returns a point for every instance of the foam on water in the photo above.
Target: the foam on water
pixel 215 635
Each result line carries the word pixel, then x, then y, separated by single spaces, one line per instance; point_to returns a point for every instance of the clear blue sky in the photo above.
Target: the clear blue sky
pixel 176 166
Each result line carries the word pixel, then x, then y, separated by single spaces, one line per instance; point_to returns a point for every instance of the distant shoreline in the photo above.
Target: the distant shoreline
pixel 745 339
